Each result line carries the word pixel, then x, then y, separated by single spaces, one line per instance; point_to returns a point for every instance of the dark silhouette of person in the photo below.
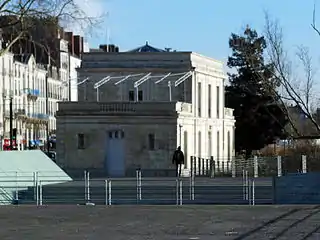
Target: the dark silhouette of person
pixel 178 159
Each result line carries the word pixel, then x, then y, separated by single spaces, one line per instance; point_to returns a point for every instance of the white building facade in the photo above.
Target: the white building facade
pixel 151 101
pixel 24 81
pixel 75 63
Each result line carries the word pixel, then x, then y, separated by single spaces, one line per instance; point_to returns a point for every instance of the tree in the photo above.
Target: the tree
pixel 294 89
pixel 18 18
pixel 259 116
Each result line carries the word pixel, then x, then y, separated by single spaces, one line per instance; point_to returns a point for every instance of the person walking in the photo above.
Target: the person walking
pixel 178 160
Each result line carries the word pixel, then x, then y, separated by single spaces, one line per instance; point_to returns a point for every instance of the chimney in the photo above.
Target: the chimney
pixel 109 48
pixel 69 38
pixel 77 47
pixel 81 46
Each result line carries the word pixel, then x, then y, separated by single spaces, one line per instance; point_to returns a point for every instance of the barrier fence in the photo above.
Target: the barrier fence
pixel 138 190
pixel 256 166
pixel 247 184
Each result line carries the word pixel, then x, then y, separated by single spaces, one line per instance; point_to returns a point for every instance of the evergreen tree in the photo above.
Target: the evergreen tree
pixel 259 117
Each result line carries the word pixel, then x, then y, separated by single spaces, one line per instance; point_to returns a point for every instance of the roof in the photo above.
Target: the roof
pixel 147 48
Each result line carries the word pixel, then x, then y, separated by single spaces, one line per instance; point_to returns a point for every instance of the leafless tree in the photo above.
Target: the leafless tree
pixel 18 17
pixel 293 89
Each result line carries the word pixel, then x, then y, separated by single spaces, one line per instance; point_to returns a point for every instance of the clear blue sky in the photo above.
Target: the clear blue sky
pixel 202 26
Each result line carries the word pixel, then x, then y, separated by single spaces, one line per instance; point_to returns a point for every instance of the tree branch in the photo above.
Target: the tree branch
pixel 16 17
pixel 282 66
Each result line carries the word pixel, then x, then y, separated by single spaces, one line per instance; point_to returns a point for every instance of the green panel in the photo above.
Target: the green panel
pixel 20 170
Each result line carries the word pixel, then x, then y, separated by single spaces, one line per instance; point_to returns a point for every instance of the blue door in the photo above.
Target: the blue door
pixel 115 162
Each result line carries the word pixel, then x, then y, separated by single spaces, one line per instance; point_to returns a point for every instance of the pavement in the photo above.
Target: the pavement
pixel 196 222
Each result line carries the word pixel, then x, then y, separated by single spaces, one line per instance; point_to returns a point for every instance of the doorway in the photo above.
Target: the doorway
pixel 115 162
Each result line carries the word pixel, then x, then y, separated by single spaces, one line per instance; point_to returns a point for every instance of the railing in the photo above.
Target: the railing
pixel 42 116
pixel 38 116
pixel 140 190
pixel 32 92
pixel 256 166
pixel 20 112
pixel 127 107
pixel 111 107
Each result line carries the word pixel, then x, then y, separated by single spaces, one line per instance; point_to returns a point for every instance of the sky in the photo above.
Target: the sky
pixel 202 26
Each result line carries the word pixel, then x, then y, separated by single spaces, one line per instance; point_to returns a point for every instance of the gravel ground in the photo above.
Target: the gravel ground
pixel 157 222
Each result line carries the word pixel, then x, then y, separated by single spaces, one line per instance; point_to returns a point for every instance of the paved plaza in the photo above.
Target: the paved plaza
pixel 197 222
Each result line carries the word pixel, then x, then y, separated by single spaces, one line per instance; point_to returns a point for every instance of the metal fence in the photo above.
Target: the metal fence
pixel 255 166
pixel 138 190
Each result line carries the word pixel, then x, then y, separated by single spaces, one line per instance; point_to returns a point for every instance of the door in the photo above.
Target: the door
pixel 115 163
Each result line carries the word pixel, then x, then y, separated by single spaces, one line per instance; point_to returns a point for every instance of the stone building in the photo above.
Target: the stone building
pixel 136 107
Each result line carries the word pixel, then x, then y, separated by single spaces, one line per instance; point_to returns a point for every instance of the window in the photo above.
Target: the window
pixel 80 141
pixel 209 101
pixel 209 144
pixel 229 144
pixel 151 141
pixel 140 95
pixel 131 95
pixel 199 144
pixel 218 102
pixel 185 147
pixel 218 145
pixel 199 99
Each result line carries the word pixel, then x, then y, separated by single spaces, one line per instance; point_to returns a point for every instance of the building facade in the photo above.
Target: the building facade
pixel 35 76
pixel 75 63
pixel 138 106
pixel 23 82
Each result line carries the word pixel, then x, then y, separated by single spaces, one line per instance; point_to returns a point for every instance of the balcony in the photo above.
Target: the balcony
pixel 228 113
pixel 37 118
pixel 20 114
pixel 42 116
pixel 32 94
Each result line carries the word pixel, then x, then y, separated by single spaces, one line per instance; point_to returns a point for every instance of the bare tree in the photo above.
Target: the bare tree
pixel 293 89
pixel 19 17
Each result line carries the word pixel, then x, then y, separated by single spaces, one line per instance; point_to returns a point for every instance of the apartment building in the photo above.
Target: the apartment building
pixel 62 50
pixel 136 107
pixel 23 82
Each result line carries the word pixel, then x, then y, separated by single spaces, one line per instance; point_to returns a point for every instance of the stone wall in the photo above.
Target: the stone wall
pixel 136 130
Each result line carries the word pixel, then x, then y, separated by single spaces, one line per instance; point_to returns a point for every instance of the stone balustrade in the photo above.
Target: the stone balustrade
pixel 141 108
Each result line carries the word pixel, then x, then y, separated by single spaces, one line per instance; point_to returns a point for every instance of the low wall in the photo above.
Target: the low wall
pixel 297 189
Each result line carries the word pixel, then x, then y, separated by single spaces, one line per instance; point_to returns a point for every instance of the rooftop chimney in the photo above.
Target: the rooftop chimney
pixel 109 48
